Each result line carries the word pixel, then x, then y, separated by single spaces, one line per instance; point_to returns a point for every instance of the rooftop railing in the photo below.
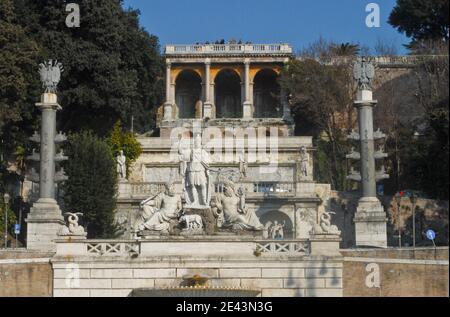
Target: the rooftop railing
pixel 229 49
pixel 405 60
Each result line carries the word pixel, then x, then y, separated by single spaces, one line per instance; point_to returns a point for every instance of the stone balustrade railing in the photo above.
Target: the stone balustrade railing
pixel 146 189
pixel 135 248
pixel 380 61
pixel 229 49
pixel 141 190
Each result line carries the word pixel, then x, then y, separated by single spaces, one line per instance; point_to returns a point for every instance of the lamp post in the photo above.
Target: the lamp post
pixel 413 200
pixel 398 199
pixel 6 200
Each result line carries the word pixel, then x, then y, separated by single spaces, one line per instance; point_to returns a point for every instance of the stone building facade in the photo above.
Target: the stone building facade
pixel 230 94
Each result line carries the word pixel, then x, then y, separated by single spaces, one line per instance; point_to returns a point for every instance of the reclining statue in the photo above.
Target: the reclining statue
pixel 159 210
pixel 236 215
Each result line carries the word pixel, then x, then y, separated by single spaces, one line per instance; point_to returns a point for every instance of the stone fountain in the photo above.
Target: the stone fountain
pixel 194 286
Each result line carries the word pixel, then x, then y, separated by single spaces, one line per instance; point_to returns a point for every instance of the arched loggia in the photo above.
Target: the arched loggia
pixel 266 95
pixel 188 93
pixel 228 94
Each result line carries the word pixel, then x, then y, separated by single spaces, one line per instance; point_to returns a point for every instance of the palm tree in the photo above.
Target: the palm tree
pixel 345 49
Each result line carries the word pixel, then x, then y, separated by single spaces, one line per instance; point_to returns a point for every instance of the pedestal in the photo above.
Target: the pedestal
pixel 43 225
pixel 168 109
pixel 207 110
pixel 370 223
pixel 247 110
pixel 325 245
pixel 123 188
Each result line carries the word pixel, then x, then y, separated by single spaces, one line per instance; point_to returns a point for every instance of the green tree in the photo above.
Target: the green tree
pixel 427 160
pixel 18 82
pixel 422 20
pixel 113 67
pixel 92 183
pixel 125 141
pixel 11 220
pixel 321 98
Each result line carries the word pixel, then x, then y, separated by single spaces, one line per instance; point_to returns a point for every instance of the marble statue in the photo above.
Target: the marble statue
pixel 276 230
pixel 305 222
pixel 324 226
pixel 121 165
pixel 159 210
pixel 304 161
pixel 363 73
pixel 236 215
pixel 192 222
pixel 73 228
pixel 50 73
pixel 353 135
pixel 194 168
pixel 243 165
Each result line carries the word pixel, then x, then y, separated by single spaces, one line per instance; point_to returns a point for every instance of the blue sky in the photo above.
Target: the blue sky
pixel 298 22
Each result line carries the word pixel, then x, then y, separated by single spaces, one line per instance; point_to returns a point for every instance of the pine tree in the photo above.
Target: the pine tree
pixel 422 20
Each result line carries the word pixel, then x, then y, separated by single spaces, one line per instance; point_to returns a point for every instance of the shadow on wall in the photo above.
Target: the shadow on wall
pixel 429 214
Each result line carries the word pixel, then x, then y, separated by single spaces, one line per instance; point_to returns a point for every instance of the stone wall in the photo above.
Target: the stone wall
pixel 401 273
pixel 282 270
pixel 25 274
pixel 274 278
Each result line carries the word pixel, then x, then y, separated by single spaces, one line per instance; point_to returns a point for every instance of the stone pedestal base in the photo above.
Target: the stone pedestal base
pixel 70 238
pixel 168 111
pixel 325 245
pixel 123 188
pixel 207 110
pixel 248 110
pixel 370 223
pixel 43 225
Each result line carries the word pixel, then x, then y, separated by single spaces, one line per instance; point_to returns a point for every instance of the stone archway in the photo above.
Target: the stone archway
pixel 188 93
pixel 228 94
pixel 266 95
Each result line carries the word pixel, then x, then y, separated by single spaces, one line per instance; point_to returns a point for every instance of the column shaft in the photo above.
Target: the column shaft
pixel 168 105
pixel 368 182
pixel 207 82
pixel 207 104
pixel 247 106
pixel 168 83
pixel 247 81
pixel 47 155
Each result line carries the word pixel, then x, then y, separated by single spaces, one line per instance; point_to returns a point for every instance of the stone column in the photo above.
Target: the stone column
pixel 370 218
pixel 207 105
pixel 247 106
pixel 168 105
pixel 45 220
pixel 213 99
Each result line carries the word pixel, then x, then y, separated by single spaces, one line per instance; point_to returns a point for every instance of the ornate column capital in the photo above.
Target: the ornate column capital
pixel 247 62
pixel 207 61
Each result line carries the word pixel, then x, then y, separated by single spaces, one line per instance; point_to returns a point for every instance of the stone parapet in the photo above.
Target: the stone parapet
pixel 276 268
